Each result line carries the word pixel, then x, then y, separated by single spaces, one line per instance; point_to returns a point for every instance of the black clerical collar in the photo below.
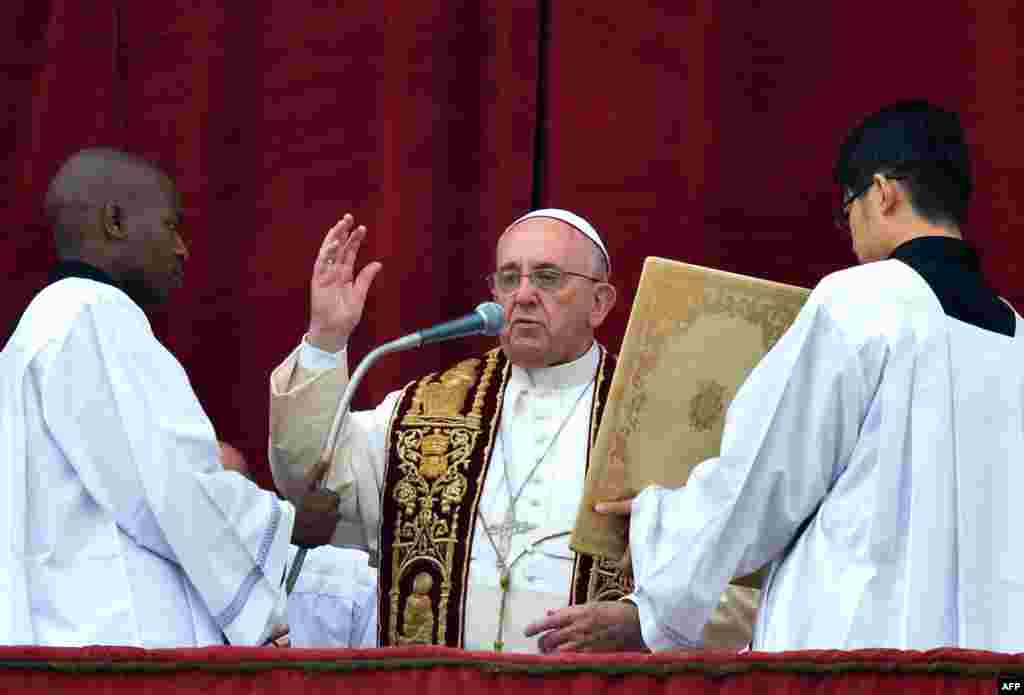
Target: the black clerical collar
pixel 943 249
pixel 952 270
pixel 81 269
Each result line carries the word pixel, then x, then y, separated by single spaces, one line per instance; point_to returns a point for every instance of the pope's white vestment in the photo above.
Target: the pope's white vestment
pixel 117 523
pixel 539 458
pixel 334 602
pixel 876 457
pixel 540 580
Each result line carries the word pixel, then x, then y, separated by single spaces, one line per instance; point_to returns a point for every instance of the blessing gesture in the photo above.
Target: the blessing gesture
pixel 337 294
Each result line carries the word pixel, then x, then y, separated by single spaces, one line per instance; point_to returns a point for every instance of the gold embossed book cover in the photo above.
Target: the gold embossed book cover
pixel 693 336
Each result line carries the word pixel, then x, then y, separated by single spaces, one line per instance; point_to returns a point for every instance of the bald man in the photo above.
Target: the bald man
pixel 119 524
pixel 334 601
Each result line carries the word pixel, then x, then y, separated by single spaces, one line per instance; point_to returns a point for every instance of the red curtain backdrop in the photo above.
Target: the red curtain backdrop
pixel 699 130
pixel 443 671
pixel 275 118
pixel 706 131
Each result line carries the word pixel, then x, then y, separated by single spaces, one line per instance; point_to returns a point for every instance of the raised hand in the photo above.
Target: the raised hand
pixel 316 514
pixel 337 294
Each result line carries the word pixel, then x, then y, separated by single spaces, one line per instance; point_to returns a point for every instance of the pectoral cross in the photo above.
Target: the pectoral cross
pixel 503 547
pixel 504 533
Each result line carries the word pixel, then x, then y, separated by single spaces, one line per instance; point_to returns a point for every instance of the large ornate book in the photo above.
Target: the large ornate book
pixel 693 336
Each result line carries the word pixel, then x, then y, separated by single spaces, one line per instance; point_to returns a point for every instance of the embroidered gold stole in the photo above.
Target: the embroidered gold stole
pixel 440 441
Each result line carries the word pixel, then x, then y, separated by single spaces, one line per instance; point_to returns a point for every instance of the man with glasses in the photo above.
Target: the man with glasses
pixel 466 484
pixel 873 456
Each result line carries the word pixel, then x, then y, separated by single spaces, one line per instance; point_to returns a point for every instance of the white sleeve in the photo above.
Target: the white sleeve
pixel 788 434
pixel 313 358
pixel 303 403
pixel 334 603
pixel 122 411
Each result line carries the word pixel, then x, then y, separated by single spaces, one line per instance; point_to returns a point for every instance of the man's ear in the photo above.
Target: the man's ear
pixel 604 300
pixel 112 222
pixel 889 194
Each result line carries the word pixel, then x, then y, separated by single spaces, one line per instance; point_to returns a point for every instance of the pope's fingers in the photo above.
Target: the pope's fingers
pixel 365 278
pixel 616 507
pixel 339 232
pixel 350 249
pixel 534 628
pixel 553 640
pixel 552 621
pixel 326 260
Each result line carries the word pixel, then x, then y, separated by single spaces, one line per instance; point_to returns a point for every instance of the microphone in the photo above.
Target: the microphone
pixel 487 319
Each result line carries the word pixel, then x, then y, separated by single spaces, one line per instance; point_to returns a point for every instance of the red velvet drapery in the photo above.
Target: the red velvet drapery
pixel 698 130
pixel 443 671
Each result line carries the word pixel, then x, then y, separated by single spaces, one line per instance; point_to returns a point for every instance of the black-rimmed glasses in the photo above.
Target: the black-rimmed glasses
pixel 841 217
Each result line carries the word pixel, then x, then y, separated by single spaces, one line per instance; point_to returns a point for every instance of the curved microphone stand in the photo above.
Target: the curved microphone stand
pixel 488 319
pixel 327 450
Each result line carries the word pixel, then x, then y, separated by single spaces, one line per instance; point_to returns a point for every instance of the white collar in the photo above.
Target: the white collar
pixel 562 376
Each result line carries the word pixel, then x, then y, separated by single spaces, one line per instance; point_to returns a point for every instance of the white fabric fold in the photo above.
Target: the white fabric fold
pixel 871 456
pixel 313 358
pixel 334 602
pixel 125 496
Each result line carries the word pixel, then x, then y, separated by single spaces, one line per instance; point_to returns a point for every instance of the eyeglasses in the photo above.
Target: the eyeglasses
pixel 841 217
pixel 544 279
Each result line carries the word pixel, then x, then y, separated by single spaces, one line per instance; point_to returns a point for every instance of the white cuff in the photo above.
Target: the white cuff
pixel 656 639
pixel 313 358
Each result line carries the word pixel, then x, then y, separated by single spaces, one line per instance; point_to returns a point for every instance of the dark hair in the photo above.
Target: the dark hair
pixel 921 143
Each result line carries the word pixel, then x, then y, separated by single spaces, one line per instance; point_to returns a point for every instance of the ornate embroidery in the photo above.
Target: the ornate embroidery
pixel 418 616
pixel 588 584
pixel 608 582
pixel 435 445
pixel 438 459
pixel 708 405
pixel 773 315
pixel 446 397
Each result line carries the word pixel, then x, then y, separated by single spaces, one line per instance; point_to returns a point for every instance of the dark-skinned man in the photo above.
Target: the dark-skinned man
pixel 120 526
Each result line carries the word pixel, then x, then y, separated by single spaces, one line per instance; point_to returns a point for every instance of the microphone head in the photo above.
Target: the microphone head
pixel 493 316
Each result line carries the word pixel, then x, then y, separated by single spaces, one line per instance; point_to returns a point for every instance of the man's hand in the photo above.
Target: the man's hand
pixel 316 514
pixel 336 293
pixel 619 508
pixel 279 636
pixel 604 626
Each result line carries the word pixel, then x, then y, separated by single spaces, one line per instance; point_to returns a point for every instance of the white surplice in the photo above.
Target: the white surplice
pixel 334 602
pixel 117 523
pixel 875 455
pixel 537 402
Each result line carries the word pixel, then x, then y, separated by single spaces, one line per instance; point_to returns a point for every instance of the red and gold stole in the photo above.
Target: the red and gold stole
pixel 440 440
